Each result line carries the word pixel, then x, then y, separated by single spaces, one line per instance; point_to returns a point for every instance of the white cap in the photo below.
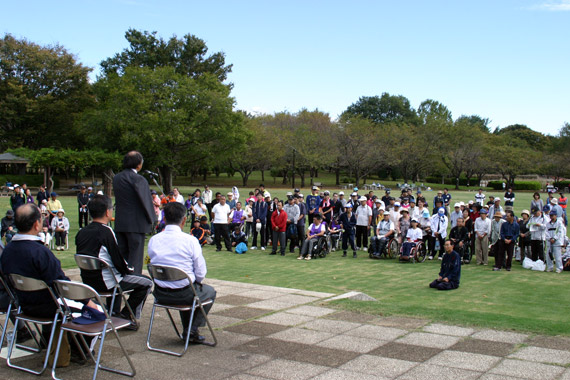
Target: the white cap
pixel 341 193
pixel 461 203
pixel 497 199
pixel 363 198
pixel 456 205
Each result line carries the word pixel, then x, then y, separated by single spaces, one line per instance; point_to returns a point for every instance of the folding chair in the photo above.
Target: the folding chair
pixel 169 273
pixel 52 241
pixel 86 262
pixel 27 284
pixel 77 291
pixel 5 311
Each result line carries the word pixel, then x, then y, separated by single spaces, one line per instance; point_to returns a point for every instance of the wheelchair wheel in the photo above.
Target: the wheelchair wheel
pixel 393 249
pixel 322 248
pixel 421 252
pixel 467 255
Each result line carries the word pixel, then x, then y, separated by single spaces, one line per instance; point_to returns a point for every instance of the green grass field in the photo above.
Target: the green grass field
pixel 518 300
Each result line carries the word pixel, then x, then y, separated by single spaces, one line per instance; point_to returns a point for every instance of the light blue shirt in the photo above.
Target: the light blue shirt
pixel 178 249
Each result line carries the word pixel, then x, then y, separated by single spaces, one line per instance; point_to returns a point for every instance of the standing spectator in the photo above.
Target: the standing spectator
pixel 363 219
pixel 403 225
pixel 438 232
pixel 386 198
pixel 313 202
pixel 455 215
pixel 326 208
pixel 555 234
pixel 509 199
pixel 446 200
pixel 348 222
pixel 230 201
pixel 45 233
pixel 60 227
pixel 29 197
pixel 524 239
pixel 438 198
pixel 510 231
pixel 249 225
pixel 42 194
pixel 377 215
pixel 537 226
pixel 220 213
pixel 90 192
pixel 18 198
pixel 301 220
pixel 495 234
pixel 420 197
pixel 536 202
pixel 556 207
pixel 177 196
pixel 480 197
pixel 260 220
pixel 336 205
pixel 342 200
pixel 208 197
pixel 8 226
pixel 496 207
pixel 482 228
pixel 279 226
pixel 155 202
pixel 563 203
pixel 271 208
pixel 82 201
pixel 53 205
pixel 134 214
pixel 293 212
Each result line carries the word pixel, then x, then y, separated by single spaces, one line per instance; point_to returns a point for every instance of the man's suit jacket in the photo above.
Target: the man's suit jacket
pixel 134 209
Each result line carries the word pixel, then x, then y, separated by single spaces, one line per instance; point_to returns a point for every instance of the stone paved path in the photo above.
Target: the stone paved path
pixel 268 332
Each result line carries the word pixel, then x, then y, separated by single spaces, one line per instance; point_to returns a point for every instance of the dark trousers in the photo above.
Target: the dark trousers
pixel 83 218
pixel 141 286
pixel 280 237
pixel 209 207
pixel 60 238
pixel 500 255
pixel 186 296
pixel 131 246
pixel 441 285
pixel 262 240
pixel 362 236
pixel 222 230
pixel 300 234
pixel 537 249
pixel 348 237
pixel 432 240
pixel 378 244
pixel 293 240
pixel 307 248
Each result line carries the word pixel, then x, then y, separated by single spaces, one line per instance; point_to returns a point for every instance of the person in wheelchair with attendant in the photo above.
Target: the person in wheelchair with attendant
pixel 316 230
pixel 385 231
pixel 413 238
pixel 459 235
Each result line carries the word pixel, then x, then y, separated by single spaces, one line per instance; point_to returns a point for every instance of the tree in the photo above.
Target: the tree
pixel 43 91
pixel 383 109
pixel 534 139
pixel 476 121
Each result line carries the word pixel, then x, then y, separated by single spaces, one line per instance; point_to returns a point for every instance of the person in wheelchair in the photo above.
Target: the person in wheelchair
pixel 413 236
pixel 315 231
pixel 384 232
pixel 459 235
pixel 335 232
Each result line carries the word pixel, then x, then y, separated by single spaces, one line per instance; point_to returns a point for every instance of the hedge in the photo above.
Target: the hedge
pixel 562 184
pixel 521 185
pixel 32 180
pixel 451 181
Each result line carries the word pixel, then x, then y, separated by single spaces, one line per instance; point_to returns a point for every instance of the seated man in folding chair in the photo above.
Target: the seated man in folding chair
pixel 175 248
pixel 27 256
pixel 98 240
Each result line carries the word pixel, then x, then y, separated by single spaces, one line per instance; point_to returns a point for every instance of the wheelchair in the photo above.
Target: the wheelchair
pixel 391 249
pixel 465 252
pixel 418 253
pixel 322 247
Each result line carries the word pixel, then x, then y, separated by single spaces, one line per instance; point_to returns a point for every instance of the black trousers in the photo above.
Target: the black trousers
pixel 222 230
pixel 262 241
pixel 362 236
pixel 83 218
pixel 131 246
pixel 432 240
pixel 281 238
pixel 537 249
pixel 441 285
pixel 186 296
pixel 507 249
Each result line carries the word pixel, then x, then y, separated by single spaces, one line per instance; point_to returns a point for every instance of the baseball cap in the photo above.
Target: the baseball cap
pixel 341 193
pixel 441 211
pixel 397 204
pixel 362 198
pixel 348 205
pixel 89 315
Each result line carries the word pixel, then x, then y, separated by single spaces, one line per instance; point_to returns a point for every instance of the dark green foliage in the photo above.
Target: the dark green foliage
pixel 519 185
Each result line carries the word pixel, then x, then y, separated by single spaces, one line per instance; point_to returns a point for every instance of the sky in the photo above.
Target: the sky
pixel 505 60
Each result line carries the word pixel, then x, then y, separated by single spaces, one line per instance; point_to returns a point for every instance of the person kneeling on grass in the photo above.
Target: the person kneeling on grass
pixel 450 269
pixel 315 231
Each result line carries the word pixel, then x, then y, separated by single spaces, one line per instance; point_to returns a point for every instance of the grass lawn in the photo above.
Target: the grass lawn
pixel 519 300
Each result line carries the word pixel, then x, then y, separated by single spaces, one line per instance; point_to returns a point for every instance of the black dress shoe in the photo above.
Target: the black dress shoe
pixel 24 335
pixel 218 250
pixel 273 253
pixel 282 254
pixel 196 338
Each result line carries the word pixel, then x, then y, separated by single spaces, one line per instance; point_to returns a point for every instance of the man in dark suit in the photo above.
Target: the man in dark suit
pixel 134 214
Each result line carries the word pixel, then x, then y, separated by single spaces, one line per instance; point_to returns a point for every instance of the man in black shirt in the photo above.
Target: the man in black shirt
pixel 82 200
pixel 98 240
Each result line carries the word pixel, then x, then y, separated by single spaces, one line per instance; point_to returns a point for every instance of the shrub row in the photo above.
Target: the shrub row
pixel 521 185
pixel 451 181
pixel 32 180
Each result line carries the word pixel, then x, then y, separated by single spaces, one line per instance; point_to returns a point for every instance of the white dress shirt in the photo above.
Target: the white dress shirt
pixel 483 226
pixel 179 249
pixel 221 213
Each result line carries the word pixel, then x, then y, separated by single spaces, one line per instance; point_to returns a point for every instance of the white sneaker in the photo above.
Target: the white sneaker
pixel 263 248
pixel 300 258
pixel 549 270
pixel 440 258
pixel 254 247
pixel 365 249
pixel 558 271
pixel 430 258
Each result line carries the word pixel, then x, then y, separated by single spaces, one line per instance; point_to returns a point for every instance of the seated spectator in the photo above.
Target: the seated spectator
pixel 249 218
pixel 60 227
pixel 53 205
pixel 335 231
pixel 315 231
pixel 8 227
pixel 384 232
pixel 459 235
pixel 176 248
pixel 199 233
pixel 46 234
pixel 98 240
pixel 413 236
pixel 238 236
pixel 450 272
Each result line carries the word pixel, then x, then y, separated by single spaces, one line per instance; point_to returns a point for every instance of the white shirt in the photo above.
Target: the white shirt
pixel 60 223
pixel 176 248
pixel 414 234
pixel 483 226
pixel 221 213
pixel 180 198
pixel 207 196
pixel 480 198
pixel 362 213
pixel 441 222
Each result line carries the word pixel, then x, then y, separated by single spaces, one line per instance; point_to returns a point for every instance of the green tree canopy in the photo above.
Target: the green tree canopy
pixel 383 109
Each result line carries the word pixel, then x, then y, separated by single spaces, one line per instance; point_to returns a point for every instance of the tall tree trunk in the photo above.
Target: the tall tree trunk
pixel 205 174
pixel 262 175
pixel 337 175
pixel 302 176
pixel 108 181
pixel 166 174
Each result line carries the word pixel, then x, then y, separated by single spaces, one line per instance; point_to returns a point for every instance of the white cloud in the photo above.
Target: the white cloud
pixel 555 6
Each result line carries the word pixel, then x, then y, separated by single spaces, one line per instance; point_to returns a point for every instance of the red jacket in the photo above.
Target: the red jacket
pixel 279 219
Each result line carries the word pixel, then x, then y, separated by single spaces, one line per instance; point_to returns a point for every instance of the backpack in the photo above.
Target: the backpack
pixel 241 248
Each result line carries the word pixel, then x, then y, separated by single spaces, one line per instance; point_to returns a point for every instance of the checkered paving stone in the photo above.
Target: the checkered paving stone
pixel 236 300
pixel 484 347
pixel 256 328
pixel 243 312
pixel 403 351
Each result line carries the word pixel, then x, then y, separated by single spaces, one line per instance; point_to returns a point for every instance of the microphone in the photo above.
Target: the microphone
pixel 151 173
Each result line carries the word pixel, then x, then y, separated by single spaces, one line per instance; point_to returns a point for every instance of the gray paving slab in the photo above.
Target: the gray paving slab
pixel 401 322
pixel 256 328
pixel 351 316
pixel 429 340
pixel 464 360
pixel 352 343
pixel 565 375
pixel 271 304
pixel 500 336
pixel 312 311
pixel 281 369
pixel 228 339
pixel 220 307
pixel 439 328
pixel 402 351
pixel 243 312
pixel 431 372
pixel 492 376
pixel 228 359
pixel 339 374
pixel 527 370
pixel 236 300
pixel 485 347
pixel 377 332
pixel 222 321
pixel 286 319
pixel 554 342
pixel 246 376
pixel 329 325
pixel 544 355
pixel 305 336
pixel 311 293
pixel 376 365
pixel 260 294
pixel 295 299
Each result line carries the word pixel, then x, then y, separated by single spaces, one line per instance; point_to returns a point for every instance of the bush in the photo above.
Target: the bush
pixel 521 185
pixel 348 180
pixel 562 184
pixel 32 180
pixel 451 181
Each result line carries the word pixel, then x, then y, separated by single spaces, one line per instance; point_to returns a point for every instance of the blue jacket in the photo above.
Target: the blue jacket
pixel 348 224
pixel 510 231
pixel 451 267
pixel 260 211
pixel 313 202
